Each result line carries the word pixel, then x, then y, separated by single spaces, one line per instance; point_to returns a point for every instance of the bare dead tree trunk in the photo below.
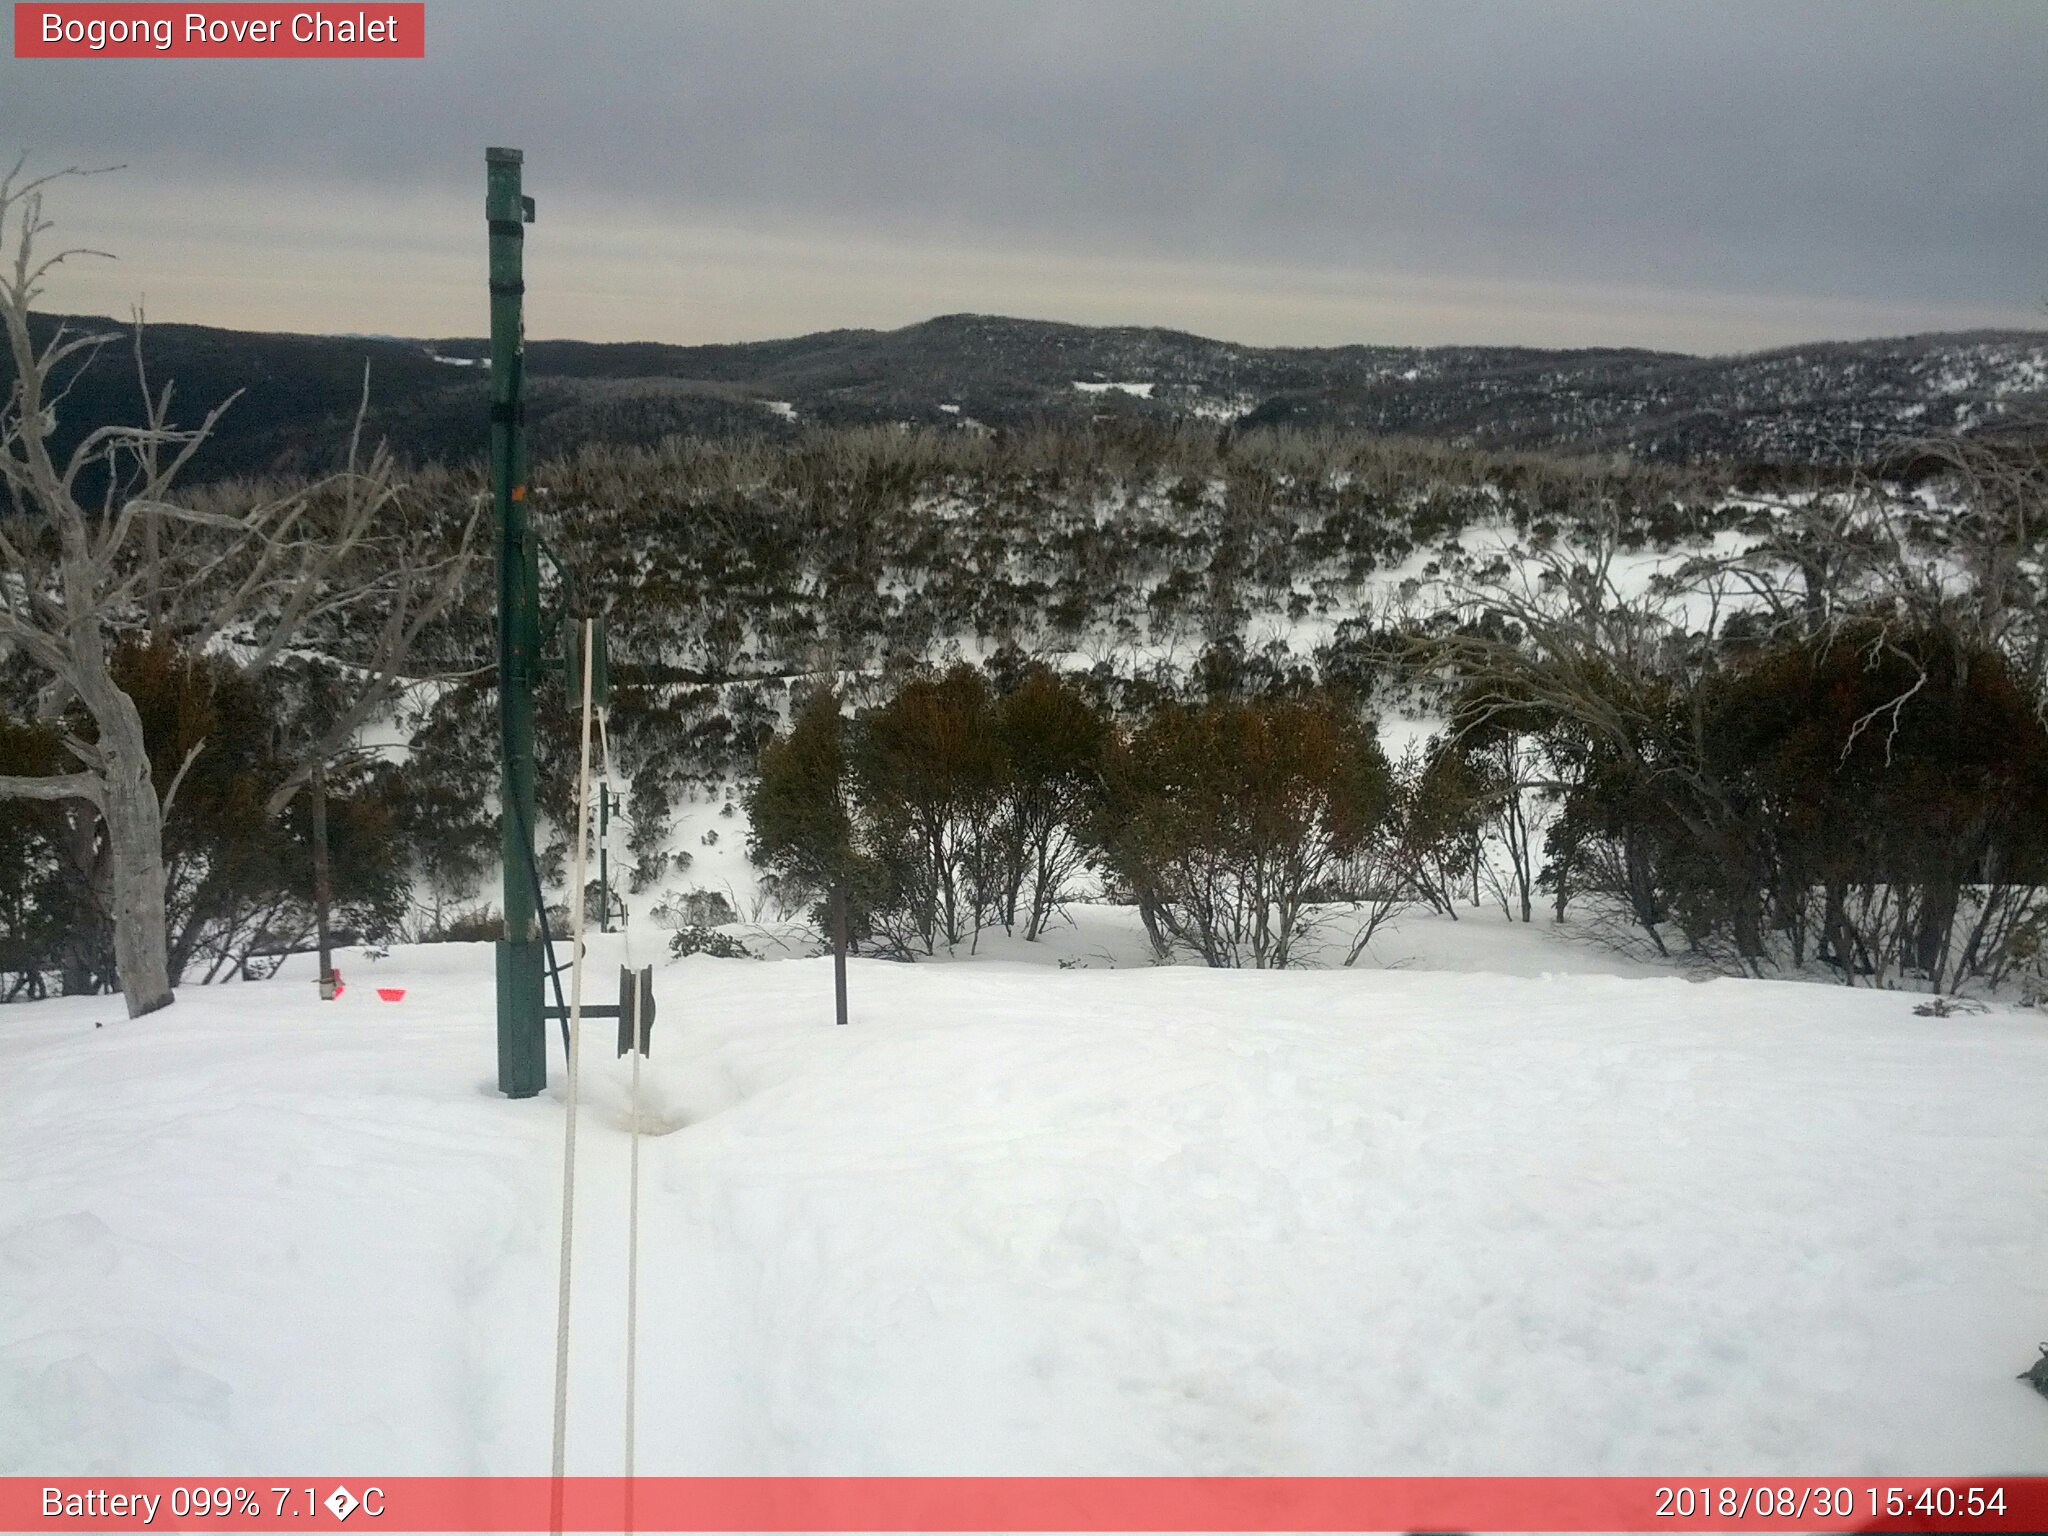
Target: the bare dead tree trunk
pixel 119 785
pixel 135 840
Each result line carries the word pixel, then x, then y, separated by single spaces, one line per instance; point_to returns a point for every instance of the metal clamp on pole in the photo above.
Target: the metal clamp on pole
pixel 636 1009
pixel 636 991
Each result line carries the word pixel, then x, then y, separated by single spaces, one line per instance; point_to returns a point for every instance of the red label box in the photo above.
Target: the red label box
pixel 364 30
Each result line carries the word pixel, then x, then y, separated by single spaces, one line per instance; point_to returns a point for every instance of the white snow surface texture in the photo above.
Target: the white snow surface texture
pixel 1493 1212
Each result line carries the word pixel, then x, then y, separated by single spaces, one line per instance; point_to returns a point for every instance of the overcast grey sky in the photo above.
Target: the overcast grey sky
pixel 1710 176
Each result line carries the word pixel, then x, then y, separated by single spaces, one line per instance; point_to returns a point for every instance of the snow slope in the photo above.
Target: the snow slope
pixel 1489 1212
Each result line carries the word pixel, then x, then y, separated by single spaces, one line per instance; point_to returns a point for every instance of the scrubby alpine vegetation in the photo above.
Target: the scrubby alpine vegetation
pixel 1281 680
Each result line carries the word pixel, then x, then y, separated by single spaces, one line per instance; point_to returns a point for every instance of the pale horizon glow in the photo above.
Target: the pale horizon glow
pixel 594 275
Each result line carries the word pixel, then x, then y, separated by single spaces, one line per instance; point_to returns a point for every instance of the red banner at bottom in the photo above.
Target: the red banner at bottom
pixel 808 1504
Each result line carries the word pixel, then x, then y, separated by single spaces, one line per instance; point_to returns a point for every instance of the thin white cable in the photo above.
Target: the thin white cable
pixel 569 1127
pixel 633 1178
pixel 633 1238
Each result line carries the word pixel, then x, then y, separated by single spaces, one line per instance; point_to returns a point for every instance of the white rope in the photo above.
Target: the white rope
pixel 633 1255
pixel 633 1178
pixel 633 1115
pixel 569 1127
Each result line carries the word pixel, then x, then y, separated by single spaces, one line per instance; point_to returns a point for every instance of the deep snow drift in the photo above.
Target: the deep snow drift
pixel 1021 1219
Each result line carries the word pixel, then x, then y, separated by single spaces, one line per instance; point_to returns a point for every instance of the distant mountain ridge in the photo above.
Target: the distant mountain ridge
pixel 1824 402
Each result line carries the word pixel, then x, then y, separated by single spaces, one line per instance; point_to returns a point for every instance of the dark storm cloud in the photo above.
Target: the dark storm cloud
pixel 1860 164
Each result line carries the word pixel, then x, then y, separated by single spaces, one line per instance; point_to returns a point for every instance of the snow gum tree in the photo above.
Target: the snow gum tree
pixel 929 775
pixel 801 825
pixel 1229 820
pixel 1823 749
pixel 66 580
pixel 94 552
pixel 1053 738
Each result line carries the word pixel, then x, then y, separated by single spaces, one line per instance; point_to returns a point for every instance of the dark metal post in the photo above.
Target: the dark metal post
pixel 522 1042
pixel 604 873
pixel 323 882
pixel 839 953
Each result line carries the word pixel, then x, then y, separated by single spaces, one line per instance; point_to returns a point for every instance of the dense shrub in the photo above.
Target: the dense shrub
pixel 698 940
pixel 927 769
pixel 239 881
pixel 1052 737
pixel 1227 821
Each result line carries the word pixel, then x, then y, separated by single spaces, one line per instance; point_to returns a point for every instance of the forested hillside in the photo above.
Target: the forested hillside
pixel 1835 402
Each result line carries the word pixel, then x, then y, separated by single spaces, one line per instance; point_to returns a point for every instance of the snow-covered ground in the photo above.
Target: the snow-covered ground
pixel 1502 1204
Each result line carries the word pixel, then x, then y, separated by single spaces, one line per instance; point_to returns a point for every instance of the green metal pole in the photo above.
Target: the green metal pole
pixel 522 1040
